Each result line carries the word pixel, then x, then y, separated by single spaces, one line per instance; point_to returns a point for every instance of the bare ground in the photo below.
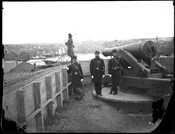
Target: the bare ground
pixel 94 115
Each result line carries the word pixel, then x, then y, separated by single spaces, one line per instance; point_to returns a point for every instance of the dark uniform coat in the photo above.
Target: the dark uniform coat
pixel 76 74
pixel 97 69
pixel 70 47
pixel 114 68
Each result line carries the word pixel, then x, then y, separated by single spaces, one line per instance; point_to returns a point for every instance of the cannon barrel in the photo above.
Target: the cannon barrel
pixel 140 50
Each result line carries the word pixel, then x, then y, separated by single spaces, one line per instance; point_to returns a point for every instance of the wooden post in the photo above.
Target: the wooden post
pixel 50 109
pixel 39 122
pixel 61 86
pixel 60 96
pixel 39 116
pixel 57 81
pixel 48 81
pixel 64 78
pixel 37 95
pixel 59 102
pixel 70 90
pixel 21 106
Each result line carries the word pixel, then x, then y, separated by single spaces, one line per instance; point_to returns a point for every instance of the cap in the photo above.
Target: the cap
pixel 114 50
pixel 97 52
pixel 74 57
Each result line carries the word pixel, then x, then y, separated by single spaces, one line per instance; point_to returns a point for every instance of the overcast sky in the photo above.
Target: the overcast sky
pixel 50 22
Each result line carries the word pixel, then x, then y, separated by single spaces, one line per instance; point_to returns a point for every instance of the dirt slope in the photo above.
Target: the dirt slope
pixel 94 115
pixel 13 81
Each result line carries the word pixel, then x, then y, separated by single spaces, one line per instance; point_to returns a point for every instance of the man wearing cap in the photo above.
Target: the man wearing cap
pixel 76 77
pixel 70 46
pixel 114 68
pixel 97 70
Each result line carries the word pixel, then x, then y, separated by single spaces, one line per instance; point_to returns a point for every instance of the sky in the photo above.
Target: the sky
pixel 51 22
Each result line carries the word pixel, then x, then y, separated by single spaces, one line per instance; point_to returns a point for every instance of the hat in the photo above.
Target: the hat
pixel 74 57
pixel 97 52
pixel 114 50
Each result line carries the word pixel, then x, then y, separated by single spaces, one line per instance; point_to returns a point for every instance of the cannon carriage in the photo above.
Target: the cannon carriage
pixel 141 73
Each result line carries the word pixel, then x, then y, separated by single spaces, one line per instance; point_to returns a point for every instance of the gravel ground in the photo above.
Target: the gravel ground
pixel 94 115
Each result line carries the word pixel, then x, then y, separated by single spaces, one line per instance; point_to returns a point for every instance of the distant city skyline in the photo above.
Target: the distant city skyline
pixel 50 22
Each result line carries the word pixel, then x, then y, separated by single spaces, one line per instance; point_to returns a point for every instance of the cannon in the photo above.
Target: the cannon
pixel 140 50
pixel 141 72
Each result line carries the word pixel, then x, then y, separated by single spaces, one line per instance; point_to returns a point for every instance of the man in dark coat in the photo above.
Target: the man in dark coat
pixel 76 77
pixel 70 46
pixel 115 67
pixel 97 70
pixel 158 110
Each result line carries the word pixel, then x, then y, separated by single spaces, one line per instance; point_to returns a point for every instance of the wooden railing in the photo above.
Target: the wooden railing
pixel 35 104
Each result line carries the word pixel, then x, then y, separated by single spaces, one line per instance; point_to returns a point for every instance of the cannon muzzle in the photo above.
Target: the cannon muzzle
pixel 140 50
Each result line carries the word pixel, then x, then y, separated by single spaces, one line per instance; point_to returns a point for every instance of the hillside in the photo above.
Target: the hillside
pixel 26 51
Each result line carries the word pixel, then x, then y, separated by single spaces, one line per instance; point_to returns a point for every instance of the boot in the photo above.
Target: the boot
pixel 110 91
pixel 115 93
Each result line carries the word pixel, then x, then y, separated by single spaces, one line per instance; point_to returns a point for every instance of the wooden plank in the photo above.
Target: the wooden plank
pixel 39 122
pixel 46 103
pixel 21 106
pixel 54 101
pixel 43 90
pixel 59 102
pixel 57 81
pixel 38 110
pixel 61 80
pixel 45 114
pixel 65 94
pixel 53 83
pixel 32 115
pixel 50 115
pixel 48 80
pixel 49 107
pixel 64 77
pixel 29 100
pixel 10 106
pixel 37 114
pixel 31 125
pixel 55 95
pixel 37 94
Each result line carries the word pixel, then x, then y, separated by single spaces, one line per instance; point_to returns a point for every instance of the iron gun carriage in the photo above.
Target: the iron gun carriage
pixel 141 72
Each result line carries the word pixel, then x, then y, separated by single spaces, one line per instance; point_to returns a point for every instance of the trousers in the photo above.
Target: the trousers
pixel 98 88
pixel 158 110
pixel 114 87
pixel 78 92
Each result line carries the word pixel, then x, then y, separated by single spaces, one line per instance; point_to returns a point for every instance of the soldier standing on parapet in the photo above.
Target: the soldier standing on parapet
pixel 70 46
pixel 76 77
pixel 115 67
pixel 97 70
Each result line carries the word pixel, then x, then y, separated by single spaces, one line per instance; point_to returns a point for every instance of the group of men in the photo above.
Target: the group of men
pixel 97 70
